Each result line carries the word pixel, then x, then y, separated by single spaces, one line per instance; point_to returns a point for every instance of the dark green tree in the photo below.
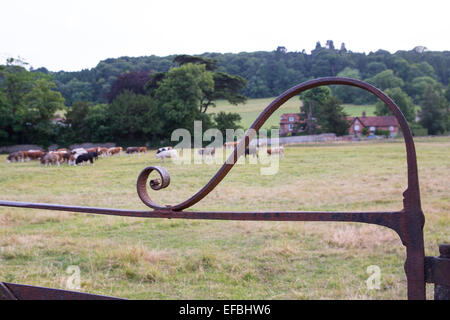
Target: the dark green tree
pixel 180 93
pixel 332 118
pixel 210 64
pixel 98 122
pixel 41 102
pixel 323 112
pixel 385 80
pixel 402 100
pixel 349 94
pixel 133 118
pixel 225 121
pixel 312 102
pixel 433 112
pixel 226 86
pixel 75 118
pixel 418 86
pixel 28 102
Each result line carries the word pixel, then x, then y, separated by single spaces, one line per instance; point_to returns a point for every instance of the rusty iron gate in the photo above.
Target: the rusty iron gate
pixel 407 223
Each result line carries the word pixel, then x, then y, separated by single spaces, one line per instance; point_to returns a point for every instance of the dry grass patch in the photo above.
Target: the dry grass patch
pixel 138 254
pixel 182 259
pixel 361 237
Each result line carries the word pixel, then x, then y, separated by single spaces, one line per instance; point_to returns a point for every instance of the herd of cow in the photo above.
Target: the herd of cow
pixel 81 155
pixel 71 157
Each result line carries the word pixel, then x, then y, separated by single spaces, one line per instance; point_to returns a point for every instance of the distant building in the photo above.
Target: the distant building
pixel 420 49
pixel 385 123
pixel 290 123
pixel 58 119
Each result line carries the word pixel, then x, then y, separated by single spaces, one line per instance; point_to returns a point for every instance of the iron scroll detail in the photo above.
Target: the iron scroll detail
pixel 408 222
pixel 155 184
pixel 411 195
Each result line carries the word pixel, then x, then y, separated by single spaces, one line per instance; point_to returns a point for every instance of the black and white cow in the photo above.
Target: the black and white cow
pixel 86 157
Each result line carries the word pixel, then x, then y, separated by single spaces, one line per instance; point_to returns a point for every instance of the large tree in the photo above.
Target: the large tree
pixel 323 112
pixel 226 86
pixel 41 104
pixel 433 114
pixel 226 121
pixel 75 118
pixel 28 102
pixel 180 93
pixel 132 118
pixel 332 118
pixel 134 81
pixel 312 101
pixel 349 94
pixel 385 80
pixel 98 122
pixel 402 100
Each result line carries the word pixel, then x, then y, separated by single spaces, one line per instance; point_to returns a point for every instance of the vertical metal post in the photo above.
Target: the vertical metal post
pixel 442 291
pixel 437 271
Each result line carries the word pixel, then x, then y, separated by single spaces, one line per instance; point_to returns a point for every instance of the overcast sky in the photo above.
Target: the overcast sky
pixel 74 35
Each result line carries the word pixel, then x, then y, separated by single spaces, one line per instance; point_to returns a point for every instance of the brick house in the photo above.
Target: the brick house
pixel 385 123
pixel 290 123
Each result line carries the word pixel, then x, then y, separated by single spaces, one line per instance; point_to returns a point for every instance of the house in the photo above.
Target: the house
pixel 290 123
pixel 58 119
pixel 376 123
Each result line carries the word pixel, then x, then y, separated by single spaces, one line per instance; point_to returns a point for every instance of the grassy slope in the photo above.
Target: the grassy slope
pixel 184 259
pixel 250 110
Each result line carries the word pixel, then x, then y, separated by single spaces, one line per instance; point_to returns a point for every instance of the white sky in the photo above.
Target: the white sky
pixel 73 35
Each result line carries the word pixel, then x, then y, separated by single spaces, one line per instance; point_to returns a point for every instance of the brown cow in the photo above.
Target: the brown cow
pixel 65 156
pixel 60 155
pixel 50 158
pixel 92 149
pixel 142 149
pixel 33 154
pixel 102 151
pixel 115 150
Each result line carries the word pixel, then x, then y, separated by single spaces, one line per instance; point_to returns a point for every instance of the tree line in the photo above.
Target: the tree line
pixel 418 79
pixel 142 107
pixel 142 100
pixel 269 73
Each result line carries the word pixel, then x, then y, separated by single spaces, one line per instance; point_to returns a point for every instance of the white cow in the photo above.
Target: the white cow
pixel 163 149
pixel 167 154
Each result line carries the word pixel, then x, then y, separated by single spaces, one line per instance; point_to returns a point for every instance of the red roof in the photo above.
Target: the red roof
pixel 377 121
pixel 285 118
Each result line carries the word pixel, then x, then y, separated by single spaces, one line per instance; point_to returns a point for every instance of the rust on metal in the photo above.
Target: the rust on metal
pixel 5 293
pixel 24 292
pixel 408 222
pixel 437 271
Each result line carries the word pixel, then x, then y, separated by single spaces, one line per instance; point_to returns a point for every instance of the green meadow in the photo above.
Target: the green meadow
pixel 140 258
pixel 250 110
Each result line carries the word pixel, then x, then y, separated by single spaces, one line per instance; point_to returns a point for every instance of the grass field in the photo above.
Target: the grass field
pixel 188 259
pixel 250 110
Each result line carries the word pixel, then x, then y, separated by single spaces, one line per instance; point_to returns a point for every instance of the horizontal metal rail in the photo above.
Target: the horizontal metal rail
pixel 408 222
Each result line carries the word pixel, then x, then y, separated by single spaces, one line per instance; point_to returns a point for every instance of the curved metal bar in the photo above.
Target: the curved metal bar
pixel 155 184
pixel 408 223
pixel 412 197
